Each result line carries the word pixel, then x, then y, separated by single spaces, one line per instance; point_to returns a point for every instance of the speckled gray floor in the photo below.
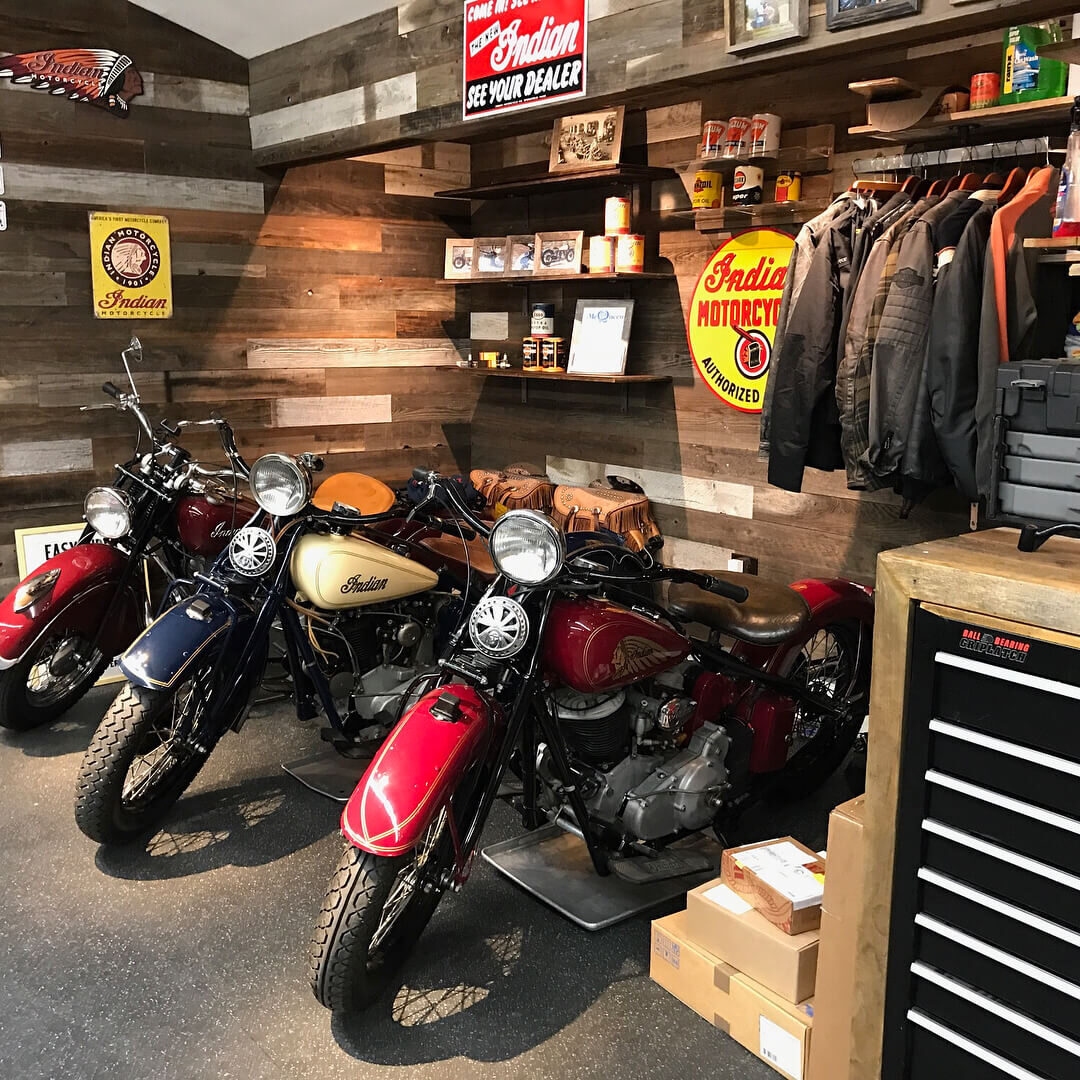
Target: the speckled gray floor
pixel 184 957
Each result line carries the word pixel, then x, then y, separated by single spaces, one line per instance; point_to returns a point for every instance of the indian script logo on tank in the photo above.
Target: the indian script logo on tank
pixel 731 323
pixel 98 76
pixel 131 266
pixel 520 53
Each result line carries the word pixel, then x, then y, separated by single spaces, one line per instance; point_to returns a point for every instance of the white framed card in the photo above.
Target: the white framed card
pixel 601 337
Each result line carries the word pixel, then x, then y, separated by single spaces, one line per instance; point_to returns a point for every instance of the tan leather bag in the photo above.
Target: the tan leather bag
pixel 579 509
pixel 513 490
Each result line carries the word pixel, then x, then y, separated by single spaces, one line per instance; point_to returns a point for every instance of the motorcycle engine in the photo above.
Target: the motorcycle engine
pixel 645 777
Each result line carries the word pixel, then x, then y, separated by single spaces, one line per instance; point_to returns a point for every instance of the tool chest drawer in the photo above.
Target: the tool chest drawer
pixel 1019 500
pixel 1052 447
pixel 983 974
pixel 1041 472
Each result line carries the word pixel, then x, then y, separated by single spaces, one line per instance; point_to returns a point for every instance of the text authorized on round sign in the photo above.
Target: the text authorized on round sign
pixel 731 324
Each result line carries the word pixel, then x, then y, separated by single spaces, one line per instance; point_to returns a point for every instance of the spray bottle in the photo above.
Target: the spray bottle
pixel 1067 210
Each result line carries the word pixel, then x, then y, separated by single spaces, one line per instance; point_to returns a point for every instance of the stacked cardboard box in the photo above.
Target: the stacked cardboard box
pixel 741 967
pixel 839 932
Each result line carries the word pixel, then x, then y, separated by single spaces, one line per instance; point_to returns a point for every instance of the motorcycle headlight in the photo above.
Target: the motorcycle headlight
pixel 280 484
pixel 527 547
pixel 108 512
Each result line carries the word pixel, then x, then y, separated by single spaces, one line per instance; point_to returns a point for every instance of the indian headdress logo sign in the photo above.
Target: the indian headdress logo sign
pixel 131 267
pixel 731 324
pixel 103 78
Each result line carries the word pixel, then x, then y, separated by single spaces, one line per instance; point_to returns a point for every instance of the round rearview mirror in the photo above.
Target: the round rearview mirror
pixel 135 348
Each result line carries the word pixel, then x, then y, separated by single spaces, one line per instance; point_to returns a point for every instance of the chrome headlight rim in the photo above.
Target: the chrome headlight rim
pixel 300 496
pixel 120 505
pixel 507 523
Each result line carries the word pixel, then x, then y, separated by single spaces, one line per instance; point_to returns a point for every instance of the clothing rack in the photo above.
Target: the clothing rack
pixel 957 155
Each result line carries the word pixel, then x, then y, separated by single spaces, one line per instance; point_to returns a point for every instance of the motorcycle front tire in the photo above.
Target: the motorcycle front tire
pixel 345 976
pixel 100 810
pixel 18 712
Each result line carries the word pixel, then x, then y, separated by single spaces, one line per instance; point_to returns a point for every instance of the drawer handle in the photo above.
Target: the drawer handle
pixel 1003 746
pixel 1007 802
pixel 1004 1065
pixel 1036 682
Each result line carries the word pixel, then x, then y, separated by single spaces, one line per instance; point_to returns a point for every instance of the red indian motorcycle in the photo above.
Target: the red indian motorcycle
pixel 66 620
pixel 624 728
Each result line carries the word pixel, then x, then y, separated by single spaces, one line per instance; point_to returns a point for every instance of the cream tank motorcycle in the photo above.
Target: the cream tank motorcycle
pixel 365 594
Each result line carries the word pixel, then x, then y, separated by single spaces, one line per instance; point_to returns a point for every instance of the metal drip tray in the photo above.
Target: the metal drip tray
pixel 555 867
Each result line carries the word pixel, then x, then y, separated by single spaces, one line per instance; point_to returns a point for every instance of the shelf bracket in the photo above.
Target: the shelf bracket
pixel 524 391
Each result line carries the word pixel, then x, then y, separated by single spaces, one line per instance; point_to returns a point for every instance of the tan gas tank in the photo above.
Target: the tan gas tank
pixel 346 572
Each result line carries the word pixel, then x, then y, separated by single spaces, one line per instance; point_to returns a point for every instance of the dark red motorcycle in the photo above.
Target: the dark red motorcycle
pixel 626 730
pixel 64 622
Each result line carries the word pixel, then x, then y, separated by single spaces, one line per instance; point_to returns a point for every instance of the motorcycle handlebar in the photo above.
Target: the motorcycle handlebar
pixel 422 476
pixel 110 389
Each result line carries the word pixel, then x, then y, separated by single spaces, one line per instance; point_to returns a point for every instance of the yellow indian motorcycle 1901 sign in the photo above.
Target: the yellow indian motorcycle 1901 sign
pixel 731 323
pixel 131 266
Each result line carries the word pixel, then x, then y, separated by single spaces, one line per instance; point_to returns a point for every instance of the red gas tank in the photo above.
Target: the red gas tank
pixel 593 645
pixel 205 526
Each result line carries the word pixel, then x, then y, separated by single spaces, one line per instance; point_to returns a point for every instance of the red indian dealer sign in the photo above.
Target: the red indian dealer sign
pixel 520 53
pixel 731 324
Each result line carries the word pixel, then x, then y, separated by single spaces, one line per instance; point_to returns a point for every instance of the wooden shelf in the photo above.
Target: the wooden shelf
pixel 803 158
pixel 945 125
pixel 625 175
pixel 1067 51
pixel 540 279
pixel 526 377
pixel 726 218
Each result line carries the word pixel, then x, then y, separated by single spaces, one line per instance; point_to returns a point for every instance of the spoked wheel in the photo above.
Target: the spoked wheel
pixel 48 681
pixel 140 760
pixel 834 666
pixel 374 910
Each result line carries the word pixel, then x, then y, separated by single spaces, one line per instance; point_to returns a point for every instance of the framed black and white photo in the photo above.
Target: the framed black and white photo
pixel 841 14
pixel 558 252
pixel 601 337
pixel 521 253
pixel 458 260
pixel 752 24
pixel 488 256
pixel 587 141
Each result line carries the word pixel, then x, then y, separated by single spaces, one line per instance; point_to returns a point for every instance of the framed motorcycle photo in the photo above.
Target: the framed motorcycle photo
pixel 489 256
pixel 521 253
pixel 755 23
pixel 558 252
pixel 587 141
pixel 458 260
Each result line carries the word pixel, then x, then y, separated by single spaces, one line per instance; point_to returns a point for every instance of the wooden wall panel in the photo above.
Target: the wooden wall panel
pixel 315 98
pixel 308 305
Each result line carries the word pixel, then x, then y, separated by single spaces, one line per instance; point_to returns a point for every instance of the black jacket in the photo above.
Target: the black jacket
pixel 953 356
pixel 805 422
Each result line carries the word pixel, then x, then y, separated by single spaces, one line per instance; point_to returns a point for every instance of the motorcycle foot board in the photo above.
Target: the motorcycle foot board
pixel 328 773
pixel 554 866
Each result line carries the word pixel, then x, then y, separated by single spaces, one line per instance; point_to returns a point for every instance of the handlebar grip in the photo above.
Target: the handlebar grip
pixel 421 476
pixel 317 464
pixel 110 389
pixel 1028 538
pixel 738 593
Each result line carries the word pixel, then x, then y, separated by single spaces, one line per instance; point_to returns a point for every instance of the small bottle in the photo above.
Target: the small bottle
pixel 1067 211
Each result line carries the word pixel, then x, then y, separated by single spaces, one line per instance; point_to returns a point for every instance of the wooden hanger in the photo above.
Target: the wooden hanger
pixel 937 188
pixel 1034 169
pixel 874 187
pixel 1015 181
pixel 993 180
pixel 921 189
pixel 911 183
pixel 971 182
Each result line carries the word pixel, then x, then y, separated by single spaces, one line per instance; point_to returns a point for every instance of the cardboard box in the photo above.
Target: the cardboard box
pixel 775 1030
pixel 782 878
pixel 721 923
pixel 682 968
pixel 834 1001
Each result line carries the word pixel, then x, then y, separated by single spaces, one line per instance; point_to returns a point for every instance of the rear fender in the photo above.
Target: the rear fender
pixel 416 771
pixel 89 576
pixel 199 626
pixel 771 714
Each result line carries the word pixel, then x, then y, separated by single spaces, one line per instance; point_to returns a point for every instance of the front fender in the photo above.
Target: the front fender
pixel 415 772
pixel 161 654
pixel 89 577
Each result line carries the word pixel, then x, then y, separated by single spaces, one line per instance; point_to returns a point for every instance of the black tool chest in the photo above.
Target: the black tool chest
pixel 1037 443
pixel 983 976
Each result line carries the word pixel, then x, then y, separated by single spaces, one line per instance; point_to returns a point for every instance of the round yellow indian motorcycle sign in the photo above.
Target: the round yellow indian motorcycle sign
pixel 732 318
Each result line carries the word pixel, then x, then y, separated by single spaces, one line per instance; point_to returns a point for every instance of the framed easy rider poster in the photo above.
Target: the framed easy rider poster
pixel 731 323
pixel 131 266
pixel 521 53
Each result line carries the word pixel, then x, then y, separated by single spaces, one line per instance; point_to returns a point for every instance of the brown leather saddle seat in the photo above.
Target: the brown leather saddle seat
pixel 475 552
pixel 770 615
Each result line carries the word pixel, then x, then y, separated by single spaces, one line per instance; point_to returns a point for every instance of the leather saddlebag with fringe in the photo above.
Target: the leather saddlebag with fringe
pixel 627 513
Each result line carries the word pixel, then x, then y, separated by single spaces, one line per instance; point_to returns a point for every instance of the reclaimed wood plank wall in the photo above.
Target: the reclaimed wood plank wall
pixel 307 305
pixel 317 98
pixel 696 457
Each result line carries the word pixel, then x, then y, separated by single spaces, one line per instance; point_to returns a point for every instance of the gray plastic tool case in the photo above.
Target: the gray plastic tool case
pixel 1037 443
